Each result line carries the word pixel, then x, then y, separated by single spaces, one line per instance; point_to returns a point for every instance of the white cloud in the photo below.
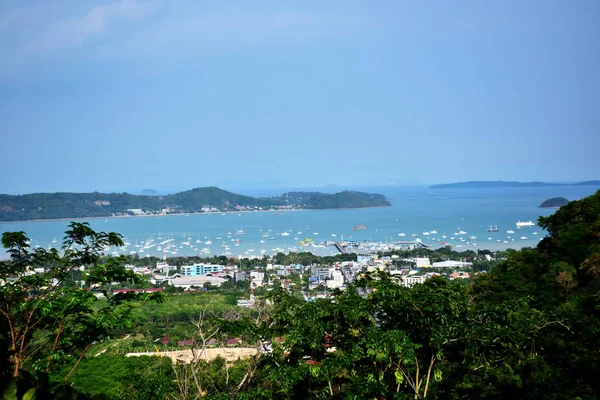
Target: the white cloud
pixel 74 31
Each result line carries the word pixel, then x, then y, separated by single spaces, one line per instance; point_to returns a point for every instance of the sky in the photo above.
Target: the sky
pixel 132 94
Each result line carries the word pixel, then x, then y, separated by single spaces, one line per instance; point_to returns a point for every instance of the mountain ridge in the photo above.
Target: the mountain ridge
pixel 503 184
pixel 57 205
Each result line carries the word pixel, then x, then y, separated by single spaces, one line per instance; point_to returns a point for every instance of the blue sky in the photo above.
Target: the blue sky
pixel 122 95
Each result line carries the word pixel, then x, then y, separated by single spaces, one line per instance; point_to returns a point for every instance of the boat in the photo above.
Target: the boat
pixel 510 231
pixel 472 237
pixel 493 228
pixel 524 223
pixel 359 227
pixel 402 234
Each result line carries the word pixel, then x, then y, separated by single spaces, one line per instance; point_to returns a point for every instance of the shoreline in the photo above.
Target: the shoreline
pixel 183 214
pixel 143 216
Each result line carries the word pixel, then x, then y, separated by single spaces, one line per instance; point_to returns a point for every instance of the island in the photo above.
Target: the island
pixel 507 184
pixel 199 200
pixel 555 202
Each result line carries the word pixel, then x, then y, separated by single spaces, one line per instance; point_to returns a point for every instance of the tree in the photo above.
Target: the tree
pixel 44 321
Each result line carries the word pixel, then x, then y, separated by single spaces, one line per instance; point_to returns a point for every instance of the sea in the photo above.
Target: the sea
pixel 436 217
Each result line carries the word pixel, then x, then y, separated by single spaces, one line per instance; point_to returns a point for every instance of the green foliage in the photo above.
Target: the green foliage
pixel 30 387
pixel 118 377
pixel 44 322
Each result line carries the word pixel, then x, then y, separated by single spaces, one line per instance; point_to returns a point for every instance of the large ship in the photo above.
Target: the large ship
pixel 524 223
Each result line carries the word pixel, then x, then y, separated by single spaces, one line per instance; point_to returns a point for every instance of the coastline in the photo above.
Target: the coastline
pixel 185 214
pixel 145 215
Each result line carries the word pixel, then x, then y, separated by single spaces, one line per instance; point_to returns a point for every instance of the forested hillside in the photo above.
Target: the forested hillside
pixel 86 205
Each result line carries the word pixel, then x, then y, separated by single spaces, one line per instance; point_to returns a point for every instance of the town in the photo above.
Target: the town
pixel 313 280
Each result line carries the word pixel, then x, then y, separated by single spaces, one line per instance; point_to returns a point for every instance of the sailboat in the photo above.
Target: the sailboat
pixel 493 228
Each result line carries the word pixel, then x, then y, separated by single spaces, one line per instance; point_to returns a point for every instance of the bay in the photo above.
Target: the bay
pixel 414 210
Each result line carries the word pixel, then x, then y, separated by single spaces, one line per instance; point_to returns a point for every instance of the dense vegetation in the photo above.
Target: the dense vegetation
pixel 345 199
pixel 554 202
pixel 528 328
pixel 502 184
pixel 85 205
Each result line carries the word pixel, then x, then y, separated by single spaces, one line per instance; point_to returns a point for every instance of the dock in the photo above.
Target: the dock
pixel 340 248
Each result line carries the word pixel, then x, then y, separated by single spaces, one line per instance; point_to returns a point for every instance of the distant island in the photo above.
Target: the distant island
pixel 554 202
pixel 200 200
pixel 506 184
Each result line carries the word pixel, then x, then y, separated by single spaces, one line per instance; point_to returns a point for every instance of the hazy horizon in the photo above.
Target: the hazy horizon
pixel 270 189
pixel 115 94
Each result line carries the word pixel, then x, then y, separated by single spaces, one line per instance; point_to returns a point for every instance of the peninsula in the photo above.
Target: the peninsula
pixel 507 184
pixel 199 200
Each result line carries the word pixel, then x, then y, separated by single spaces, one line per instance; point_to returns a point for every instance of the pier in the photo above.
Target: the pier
pixel 340 248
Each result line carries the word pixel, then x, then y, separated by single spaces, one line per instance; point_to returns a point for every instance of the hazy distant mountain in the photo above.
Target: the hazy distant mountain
pixel 505 184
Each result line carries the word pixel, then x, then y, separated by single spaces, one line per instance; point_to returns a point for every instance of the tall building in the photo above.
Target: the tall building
pixel 200 269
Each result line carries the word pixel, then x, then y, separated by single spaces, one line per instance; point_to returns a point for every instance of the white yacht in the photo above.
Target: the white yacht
pixel 524 223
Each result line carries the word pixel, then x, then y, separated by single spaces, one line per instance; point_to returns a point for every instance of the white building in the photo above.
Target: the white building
pixel 422 262
pixel 410 281
pixel 336 281
pixel 198 281
pixel 165 267
pixel 256 278
pixel 452 264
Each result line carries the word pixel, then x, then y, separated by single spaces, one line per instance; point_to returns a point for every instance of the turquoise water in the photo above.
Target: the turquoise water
pixel 413 211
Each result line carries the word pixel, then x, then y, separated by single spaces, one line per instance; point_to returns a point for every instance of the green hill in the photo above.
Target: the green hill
pixel 87 205
pixel 554 202
pixel 345 199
